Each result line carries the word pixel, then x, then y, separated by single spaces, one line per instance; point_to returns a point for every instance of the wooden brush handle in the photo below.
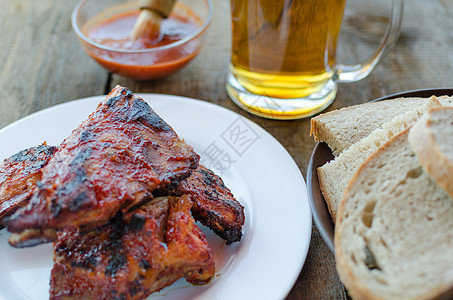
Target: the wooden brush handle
pixel 163 7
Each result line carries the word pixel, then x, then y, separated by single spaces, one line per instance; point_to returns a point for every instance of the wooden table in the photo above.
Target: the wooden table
pixel 42 64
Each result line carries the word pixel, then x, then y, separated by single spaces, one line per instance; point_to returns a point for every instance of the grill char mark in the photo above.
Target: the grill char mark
pixel 109 164
pixel 214 206
pixel 18 177
pixel 133 256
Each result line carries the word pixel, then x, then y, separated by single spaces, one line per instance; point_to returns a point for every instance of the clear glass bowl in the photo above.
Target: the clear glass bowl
pixel 141 64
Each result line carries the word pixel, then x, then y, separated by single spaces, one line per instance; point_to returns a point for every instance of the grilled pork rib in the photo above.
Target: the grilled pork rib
pixel 18 176
pixel 132 257
pixel 111 163
pixel 214 204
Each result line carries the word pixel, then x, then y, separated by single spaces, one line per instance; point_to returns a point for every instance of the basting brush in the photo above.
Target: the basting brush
pixel 152 12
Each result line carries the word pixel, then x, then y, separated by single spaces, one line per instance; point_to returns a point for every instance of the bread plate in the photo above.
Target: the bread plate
pixel 322 154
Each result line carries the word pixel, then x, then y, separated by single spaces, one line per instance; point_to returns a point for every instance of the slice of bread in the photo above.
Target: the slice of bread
pixel 446 100
pixel 431 139
pixel 335 175
pixel 394 231
pixel 344 127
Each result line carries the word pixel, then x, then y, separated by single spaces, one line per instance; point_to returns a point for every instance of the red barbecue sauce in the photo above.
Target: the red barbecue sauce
pixel 115 32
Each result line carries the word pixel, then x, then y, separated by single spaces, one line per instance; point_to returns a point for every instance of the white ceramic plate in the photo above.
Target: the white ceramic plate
pixel 259 171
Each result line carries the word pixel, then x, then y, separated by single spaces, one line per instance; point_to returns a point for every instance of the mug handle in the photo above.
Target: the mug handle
pixel 352 73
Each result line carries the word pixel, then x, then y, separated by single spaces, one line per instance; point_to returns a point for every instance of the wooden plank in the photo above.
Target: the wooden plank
pixel 421 58
pixel 41 61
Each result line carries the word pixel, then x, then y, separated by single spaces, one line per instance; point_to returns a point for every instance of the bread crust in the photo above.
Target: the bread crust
pixel 343 127
pixel 331 204
pixel 422 139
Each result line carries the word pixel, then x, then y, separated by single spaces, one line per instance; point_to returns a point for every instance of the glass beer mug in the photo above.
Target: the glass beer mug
pixel 283 63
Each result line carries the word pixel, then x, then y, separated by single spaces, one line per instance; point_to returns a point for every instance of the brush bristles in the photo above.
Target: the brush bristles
pixel 147 25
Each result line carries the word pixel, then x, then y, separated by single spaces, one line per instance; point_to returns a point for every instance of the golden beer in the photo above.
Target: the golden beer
pixel 284 49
